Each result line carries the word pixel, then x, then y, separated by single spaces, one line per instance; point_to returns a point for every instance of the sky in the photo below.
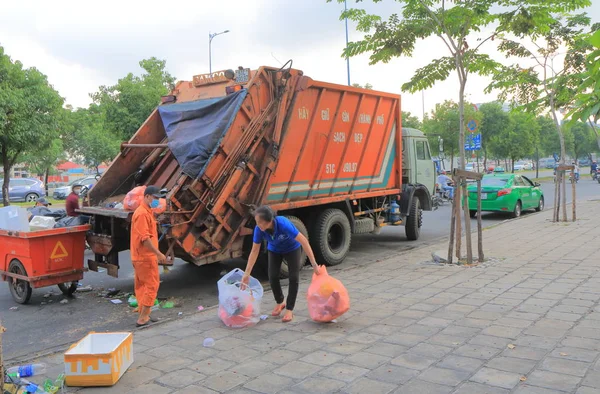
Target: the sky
pixel 82 45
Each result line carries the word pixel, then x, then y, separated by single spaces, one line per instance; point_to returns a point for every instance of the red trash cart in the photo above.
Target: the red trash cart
pixel 31 260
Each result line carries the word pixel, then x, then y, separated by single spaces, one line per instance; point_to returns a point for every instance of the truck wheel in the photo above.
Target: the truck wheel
pixel 414 221
pixel 68 288
pixel 19 289
pixel 331 237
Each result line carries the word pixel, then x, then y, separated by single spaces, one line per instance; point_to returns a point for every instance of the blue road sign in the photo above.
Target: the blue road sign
pixel 473 142
pixel 472 126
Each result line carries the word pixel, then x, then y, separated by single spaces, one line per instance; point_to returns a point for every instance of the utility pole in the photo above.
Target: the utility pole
pixel 347 57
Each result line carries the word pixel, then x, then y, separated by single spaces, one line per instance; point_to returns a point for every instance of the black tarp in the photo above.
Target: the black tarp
pixel 195 129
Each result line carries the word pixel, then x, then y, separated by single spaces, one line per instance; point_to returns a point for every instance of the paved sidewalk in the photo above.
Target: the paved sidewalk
pixel 525 322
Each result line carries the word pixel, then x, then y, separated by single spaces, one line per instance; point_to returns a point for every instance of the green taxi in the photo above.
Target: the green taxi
pixel 509 193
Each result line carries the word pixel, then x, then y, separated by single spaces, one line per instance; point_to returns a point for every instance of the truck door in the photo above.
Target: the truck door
pixel 424 166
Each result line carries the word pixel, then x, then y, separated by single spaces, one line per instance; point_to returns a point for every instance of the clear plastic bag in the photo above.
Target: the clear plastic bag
pixel 239 308
pixel 327 297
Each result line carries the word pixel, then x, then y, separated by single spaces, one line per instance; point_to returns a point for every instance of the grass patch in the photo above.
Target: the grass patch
pixel 31 204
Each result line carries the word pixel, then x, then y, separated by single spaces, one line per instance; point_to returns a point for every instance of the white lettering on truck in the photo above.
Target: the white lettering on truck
pixel 349 167
pixel 358 137
pixel 330 168
pixel 345 117
pixel 364 118
pixel 302 113
pixel 339 137
pixel 325 114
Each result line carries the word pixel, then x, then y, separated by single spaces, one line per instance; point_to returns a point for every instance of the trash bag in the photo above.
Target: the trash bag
pixel 134 198
pixel 327 297
pixel 162 206
pixel 239 308
pixel 70 221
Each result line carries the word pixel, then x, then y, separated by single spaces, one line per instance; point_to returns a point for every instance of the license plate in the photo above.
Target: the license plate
pixel 484 196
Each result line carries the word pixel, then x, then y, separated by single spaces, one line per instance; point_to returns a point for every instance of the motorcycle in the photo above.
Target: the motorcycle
pixel 595 175
pixel 598 175
pixel 441 196
pixel 573 177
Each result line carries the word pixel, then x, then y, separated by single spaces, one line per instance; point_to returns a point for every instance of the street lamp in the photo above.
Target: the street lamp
pixel 210 38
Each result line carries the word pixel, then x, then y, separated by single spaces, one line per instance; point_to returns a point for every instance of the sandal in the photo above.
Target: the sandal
pixel 277 310
pixel 288 318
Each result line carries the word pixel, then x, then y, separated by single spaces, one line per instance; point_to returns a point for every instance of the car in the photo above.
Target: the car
pixel 61 193
pixel 585 162
pixel 24 189
pixel 523 166
pixel 511 193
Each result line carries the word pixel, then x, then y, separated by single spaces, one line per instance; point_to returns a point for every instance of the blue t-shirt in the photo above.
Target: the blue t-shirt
pixel 283 239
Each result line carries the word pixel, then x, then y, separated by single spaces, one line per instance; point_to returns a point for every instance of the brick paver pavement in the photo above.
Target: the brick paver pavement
pixel 526 322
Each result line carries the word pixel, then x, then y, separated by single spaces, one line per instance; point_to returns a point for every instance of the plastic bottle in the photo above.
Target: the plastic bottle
pixel 31 388
pixel 25 371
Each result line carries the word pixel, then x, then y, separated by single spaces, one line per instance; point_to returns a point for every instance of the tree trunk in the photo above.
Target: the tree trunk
pixel 595 132
pixel 6 181
pixel 563 151
pixel 46 174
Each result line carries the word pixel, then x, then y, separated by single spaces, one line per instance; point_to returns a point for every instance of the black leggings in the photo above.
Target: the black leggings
pixel 293 261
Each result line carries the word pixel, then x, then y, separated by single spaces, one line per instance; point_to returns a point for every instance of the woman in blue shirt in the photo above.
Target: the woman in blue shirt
pixel 284 242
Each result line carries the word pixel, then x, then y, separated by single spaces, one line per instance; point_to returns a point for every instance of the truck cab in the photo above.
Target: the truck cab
pixel 418 168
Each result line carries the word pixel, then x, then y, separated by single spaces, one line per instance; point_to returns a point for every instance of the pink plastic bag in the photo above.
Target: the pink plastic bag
pixel 327 297
pixel 134 198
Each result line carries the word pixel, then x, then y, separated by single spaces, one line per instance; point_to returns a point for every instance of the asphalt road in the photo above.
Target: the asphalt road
pixel 45 323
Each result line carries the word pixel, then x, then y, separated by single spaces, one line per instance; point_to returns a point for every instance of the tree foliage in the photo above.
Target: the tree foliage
pixel 28 113
pixel 517 140
pixel 545 86
pixel 365 86
pixel 494 121
pixel 92 142
pixel 444 124
pixel 409 120
pixel 43 161
pixel 128 104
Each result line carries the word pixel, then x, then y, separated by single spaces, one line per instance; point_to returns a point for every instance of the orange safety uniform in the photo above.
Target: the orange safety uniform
pixel 145 262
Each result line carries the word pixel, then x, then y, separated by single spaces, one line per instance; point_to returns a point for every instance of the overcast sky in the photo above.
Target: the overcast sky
pixel 81 45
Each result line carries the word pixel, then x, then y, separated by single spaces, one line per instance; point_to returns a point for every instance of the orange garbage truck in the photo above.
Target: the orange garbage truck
pixel 334 159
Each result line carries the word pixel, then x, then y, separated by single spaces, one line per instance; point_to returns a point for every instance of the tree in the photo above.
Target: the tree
pixel 366 86
pixel 128 104
pixel 584 140
pixel 494 122
pixel 536 90
pixel 408 120
pixel 28 113
pixel 44 161
pixel 94 144
pixel 587 104
pixel 454 23
pixel 443 124
pixel 516 140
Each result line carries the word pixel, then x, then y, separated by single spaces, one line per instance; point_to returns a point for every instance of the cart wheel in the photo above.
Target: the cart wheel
pixel 68 288
pixel 19 289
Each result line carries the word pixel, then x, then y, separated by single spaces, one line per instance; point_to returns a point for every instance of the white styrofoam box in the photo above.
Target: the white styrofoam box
pixel 99 359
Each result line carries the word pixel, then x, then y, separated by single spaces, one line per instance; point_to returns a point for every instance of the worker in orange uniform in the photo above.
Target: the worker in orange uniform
pixel 145 255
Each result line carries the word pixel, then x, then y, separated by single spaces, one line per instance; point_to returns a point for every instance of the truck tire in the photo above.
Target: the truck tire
pixel 285 273
pixel 414 221
pixel 331 237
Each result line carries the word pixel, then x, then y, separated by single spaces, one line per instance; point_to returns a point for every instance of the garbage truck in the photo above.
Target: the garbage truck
pixel 333 159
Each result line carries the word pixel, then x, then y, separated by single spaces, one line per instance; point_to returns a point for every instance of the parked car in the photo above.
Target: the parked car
pixel 61 193
pixel 547 162
pixel 523 166
pixel 24 189
pixel 507 193
pixel 585 162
